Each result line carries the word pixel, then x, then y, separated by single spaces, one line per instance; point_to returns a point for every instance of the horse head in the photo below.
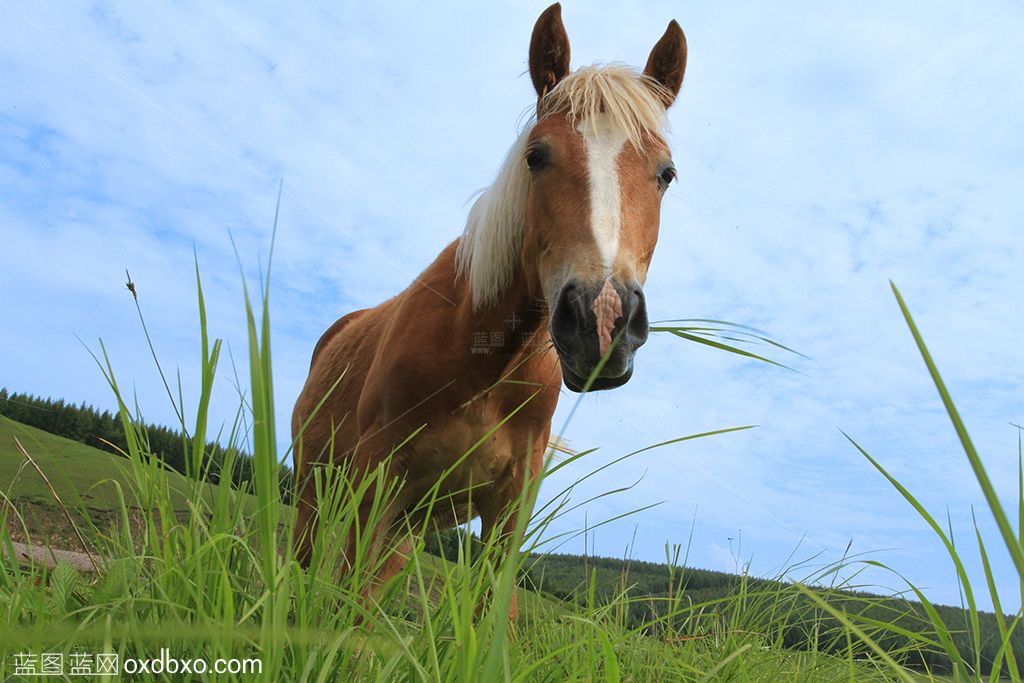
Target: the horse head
pixel 597 167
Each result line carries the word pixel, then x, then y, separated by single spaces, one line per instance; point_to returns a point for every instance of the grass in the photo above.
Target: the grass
pixel 208 573
pixel 966 658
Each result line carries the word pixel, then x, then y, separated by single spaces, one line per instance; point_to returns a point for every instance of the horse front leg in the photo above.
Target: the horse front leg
pixel 380 541
pixel 304 533
pixel 501 515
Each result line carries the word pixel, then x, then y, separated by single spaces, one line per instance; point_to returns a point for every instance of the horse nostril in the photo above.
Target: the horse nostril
pixel 566 318
pixel 637 326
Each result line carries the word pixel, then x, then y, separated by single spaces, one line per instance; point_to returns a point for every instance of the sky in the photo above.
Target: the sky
pixel 823 150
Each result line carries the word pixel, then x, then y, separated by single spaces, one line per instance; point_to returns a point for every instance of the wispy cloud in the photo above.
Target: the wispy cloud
pixel 821 151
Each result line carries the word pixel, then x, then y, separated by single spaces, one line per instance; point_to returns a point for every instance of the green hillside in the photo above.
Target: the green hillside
pixel 83 476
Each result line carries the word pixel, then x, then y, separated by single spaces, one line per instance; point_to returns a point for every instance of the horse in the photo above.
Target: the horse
pixel 556 248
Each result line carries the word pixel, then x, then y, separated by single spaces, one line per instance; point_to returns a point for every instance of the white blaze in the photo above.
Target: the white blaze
pixel 604 141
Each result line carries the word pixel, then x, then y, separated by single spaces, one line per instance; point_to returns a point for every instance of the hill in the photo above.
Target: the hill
pixel 83 476
pixel 87 480
pixel 104 430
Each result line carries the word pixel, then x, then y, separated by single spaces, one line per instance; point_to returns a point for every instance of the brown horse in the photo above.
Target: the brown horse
pixel 557 247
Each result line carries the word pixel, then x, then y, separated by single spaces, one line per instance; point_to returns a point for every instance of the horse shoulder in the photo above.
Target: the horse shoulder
pixel 333 331
pixel 336 372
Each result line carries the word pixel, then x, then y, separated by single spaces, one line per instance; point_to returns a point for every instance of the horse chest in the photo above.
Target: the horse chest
pixel 473 453
pixel 456 452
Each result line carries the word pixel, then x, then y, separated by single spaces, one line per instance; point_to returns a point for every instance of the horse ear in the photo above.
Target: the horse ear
pixel 549 51
pixel 668 62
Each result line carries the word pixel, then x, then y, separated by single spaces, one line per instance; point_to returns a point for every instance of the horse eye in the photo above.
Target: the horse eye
pixel 667 175
pixel 536 158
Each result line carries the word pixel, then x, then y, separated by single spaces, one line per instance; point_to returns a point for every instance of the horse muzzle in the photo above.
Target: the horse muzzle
pixel 595 322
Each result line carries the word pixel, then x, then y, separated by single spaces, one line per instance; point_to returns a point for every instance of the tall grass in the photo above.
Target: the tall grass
pixel 964 654
pixel 219 579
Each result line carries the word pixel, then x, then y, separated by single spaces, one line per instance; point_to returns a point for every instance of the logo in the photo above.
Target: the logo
pixel 75 664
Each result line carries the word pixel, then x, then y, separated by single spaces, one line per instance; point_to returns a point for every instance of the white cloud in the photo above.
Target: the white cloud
pixel 821 151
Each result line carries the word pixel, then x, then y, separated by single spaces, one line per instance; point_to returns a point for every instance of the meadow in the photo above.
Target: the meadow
pixel 204 568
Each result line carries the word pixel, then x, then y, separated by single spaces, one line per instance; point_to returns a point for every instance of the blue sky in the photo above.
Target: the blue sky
pixel 822 150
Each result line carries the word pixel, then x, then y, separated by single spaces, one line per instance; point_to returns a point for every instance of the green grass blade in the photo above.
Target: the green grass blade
pixel 857 631
pixel 725 347
pixel 961 572
pixel 1004 632
pixel 1010 538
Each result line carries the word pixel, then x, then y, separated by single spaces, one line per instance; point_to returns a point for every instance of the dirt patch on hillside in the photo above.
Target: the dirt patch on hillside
pixel 47 526
pixel 49 557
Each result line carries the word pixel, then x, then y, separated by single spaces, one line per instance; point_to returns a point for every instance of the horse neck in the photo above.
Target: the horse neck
pixel 501 331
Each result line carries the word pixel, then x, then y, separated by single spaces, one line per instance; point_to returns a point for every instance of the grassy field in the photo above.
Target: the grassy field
pixel 207 573
pixel 90 483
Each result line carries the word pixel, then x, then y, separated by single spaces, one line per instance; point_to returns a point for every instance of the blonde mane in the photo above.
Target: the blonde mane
pixel 488 252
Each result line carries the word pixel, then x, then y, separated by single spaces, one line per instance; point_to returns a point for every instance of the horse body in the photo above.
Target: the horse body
pixel 543 288
pixel 388 391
